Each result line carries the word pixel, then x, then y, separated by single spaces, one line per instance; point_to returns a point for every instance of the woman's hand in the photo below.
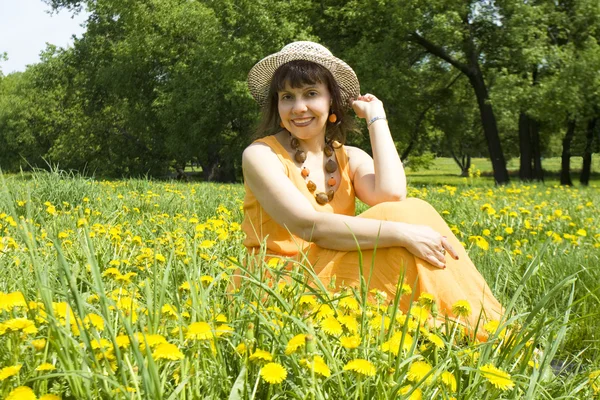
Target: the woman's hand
pixel 368 106
pixel 429 245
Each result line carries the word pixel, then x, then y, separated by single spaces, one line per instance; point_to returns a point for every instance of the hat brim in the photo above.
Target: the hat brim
pixel 260 76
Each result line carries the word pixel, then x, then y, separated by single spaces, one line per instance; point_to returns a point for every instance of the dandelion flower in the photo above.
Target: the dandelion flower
pixel 94 320
pixel 49 397
pixel 461 308
pixel 22 393
pixel 449 380
pixel 199 331
pixel 7 372
pixel 39 344
pixel 497 377
pixel 436 340
pixel 417 394
pixel 331 326
pixel 349 322
pixel 418 370
pixel 426 300
pixel 295 343
pixel 405 289
pixel 45 367
pixel 324 312
pixel 363 367
pixel 594 379
pixel 349 303
pixel 350 342
pixel 261 355
pixel 21 324
pixel 223 329
pixel 273 373
pixel 167 351
pixel 318 364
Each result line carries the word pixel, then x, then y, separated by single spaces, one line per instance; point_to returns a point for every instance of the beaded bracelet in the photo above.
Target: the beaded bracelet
pixel 375 119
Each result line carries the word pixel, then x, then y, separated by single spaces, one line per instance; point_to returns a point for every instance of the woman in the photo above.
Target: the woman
pixel 301 185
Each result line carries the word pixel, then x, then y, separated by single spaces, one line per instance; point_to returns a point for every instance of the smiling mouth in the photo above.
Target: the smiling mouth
pixel 302 121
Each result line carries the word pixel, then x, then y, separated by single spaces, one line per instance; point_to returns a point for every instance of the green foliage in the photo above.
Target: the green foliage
pixel 155 85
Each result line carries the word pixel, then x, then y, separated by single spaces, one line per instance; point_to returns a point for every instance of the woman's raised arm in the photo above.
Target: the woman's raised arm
pixel 382 177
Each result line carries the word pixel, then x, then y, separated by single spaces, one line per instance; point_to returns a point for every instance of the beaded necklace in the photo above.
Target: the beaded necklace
pixel 330 166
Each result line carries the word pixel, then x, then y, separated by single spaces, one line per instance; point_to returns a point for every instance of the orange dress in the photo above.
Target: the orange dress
pixel 459 281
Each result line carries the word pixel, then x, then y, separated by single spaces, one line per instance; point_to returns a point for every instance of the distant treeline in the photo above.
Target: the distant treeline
pixel 155 85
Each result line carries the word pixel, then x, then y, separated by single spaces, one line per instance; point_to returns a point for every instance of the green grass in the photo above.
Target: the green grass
pixel 111 271
pixel 445 171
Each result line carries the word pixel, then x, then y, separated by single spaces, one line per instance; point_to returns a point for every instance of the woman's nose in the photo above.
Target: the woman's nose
pixel 299 106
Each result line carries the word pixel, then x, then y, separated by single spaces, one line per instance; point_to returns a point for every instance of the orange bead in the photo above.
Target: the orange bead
pixel 331 181
pixel 305 172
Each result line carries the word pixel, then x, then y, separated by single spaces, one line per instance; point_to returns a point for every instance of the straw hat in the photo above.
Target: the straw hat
pixel 259 78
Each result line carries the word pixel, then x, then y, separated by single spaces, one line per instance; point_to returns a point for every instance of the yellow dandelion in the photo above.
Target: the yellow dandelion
pixel 350 342
pixel 21 393
pixel 45 367
pixel 199 331
pixel 94 320
pixel 393 345
pixel 361 366
pixel 308 300
pixel 295 343
pixel 497 377
pixel 241 348
pixel 223 330
pixel 324 312
pixel 206 279
pixel 39 344
pixel 418 371
pixel 318 364
pixel 436 340
pixel 7 372
pixel 167 351
pixel 419 313
pixel 331 326
pixel 461 308
pixel 449 380
pixel 273 373
pixel 405 289
pixel 594 380
pixel 426 300
pixel 49 397
pixel 349 303
pixel 417 394
pixel 20 324
pixel 261 355
pixel 123 341
pixel 349 322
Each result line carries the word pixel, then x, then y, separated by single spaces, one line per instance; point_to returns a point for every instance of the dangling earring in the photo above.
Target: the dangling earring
pixel 332 118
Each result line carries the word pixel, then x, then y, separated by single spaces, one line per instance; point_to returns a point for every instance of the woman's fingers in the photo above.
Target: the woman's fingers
pixel 446 244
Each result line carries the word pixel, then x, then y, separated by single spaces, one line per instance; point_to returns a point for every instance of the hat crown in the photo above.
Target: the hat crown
pixel 306 47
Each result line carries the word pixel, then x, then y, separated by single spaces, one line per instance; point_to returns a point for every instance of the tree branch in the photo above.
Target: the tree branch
pixel 438 51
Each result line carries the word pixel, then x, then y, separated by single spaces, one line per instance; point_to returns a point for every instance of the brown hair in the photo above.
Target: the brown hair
pixel 299 73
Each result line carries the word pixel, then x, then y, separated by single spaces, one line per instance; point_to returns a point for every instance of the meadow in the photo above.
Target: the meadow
pixel 122 289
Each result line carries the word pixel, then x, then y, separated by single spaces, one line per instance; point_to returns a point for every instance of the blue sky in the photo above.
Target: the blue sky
pixel 26 26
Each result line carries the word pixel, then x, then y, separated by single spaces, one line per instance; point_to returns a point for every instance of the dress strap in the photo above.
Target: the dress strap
pixel 277 148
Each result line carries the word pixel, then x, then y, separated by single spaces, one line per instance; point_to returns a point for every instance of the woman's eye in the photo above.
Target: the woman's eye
pixel 312 93
pixel 285 97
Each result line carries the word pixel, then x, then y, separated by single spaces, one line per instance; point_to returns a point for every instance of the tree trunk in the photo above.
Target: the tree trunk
pixel 565 166
pixel 490 127
pixel 586 169
pixel 525 150
pixel 538 171
pixel 472 70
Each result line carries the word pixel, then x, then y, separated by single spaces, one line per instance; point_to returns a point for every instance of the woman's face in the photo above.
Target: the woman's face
pixel 304 110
